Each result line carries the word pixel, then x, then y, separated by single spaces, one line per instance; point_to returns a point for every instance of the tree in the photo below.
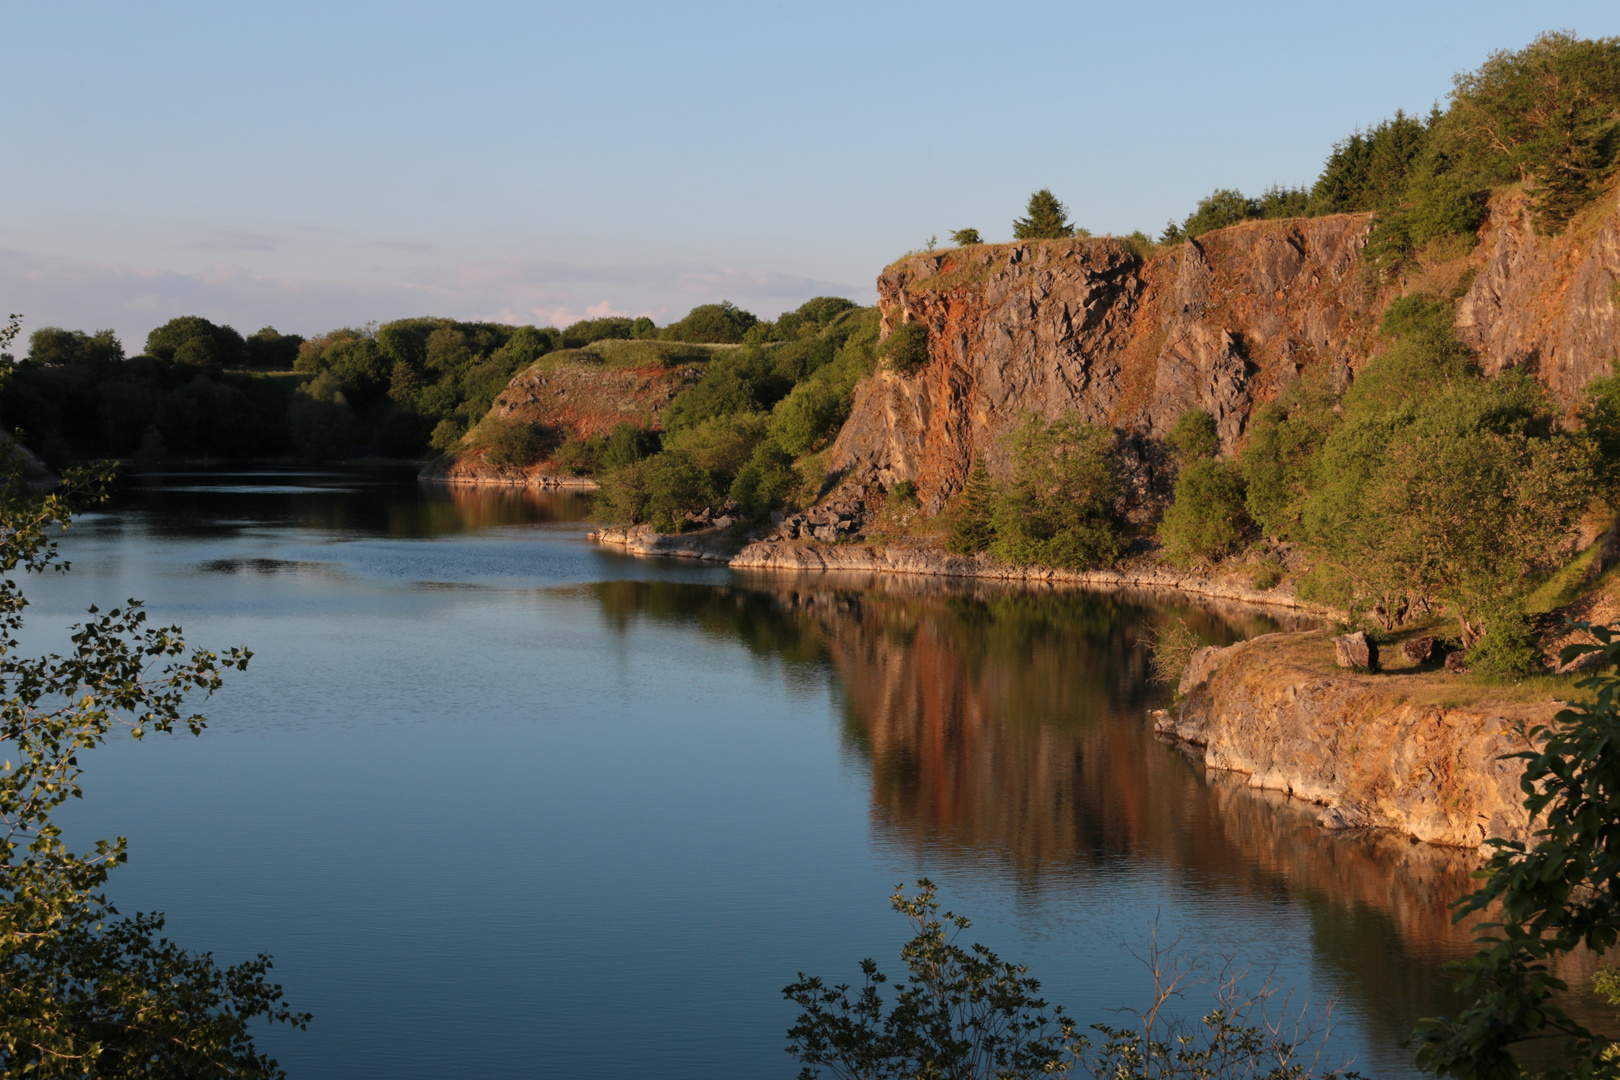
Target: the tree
pixel 269 348
pixel 965 237
pixel 193 341
pixel 84 992
pixel 1206 519
pixel 1044 219
pixel 1217 210
pixel 723 323
pixel 55 347
pixel 1194 437
pixel 1546 898
pixel 1060 508
pixel 974 528
pixel 1549 110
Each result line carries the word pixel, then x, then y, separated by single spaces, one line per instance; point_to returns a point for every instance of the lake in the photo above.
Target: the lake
pixel 505 804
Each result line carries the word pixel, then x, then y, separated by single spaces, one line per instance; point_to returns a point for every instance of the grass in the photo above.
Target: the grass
pixel 633 354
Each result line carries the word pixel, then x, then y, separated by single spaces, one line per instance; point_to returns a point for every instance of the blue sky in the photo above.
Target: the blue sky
pixel 326 164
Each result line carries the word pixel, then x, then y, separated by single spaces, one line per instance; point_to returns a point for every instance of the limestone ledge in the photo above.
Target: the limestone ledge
pixel 1274 709
pixel 800 557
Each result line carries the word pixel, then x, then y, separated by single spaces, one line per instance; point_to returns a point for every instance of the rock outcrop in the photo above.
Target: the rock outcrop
pixel 1222 323
pixel 1363 747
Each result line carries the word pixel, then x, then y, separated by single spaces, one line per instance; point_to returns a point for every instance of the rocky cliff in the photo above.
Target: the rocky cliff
pixel 1374 751
pixel 1221 323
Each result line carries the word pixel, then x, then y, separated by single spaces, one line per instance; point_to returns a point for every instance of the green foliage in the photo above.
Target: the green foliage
pixel 905 350
pixel 1060 508
pixel 1194 437
pixel 88 993
pixel 722 445
pixel 965 1014
pixel 608 328
pixel 1552 111
pixel 1206 519
pixel 1217 210
pixel 660 490
pixel 508 441
pixel 766 480
pixel 961 1013
pixel 807 417
pixel 446 436
pixel 1508 648
pixel 193 341
pixel 1368 170
pixel 320 421
pixel 1282 202
pixel 974 529
pixel 269 348
pixel 1545 899
pixel 965 237
pixel 903 495
pixel 1266 577
pixel 624 444
pixel 54 347
pixel 1600 424
pixel 742 380
pixel 722 324
pixel 1044 219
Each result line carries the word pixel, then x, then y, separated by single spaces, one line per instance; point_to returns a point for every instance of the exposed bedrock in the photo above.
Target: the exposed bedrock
pixel 1223 323
pixel 1371 750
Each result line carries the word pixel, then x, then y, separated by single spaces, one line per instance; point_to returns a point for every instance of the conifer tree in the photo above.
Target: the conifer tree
pixel 1045 218
pixel 973 530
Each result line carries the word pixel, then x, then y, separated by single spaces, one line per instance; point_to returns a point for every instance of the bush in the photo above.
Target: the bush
pixel 722 445
pixel 905 350
pixel 575 457
pixel 965 237
pixel 1206 519
pixel 767 480
pixel 446 436
pixel 1194 436
pixel 1060 508
pixel 320 421
pixel 807 417
pixel 1508 647
pixel 508 441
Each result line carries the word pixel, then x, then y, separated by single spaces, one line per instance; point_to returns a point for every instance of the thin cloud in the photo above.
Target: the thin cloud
pixel 399 245
pixel 231 242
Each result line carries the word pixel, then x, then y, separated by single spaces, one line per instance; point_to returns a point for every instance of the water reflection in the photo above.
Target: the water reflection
pixel 380 502
pixel 1010 726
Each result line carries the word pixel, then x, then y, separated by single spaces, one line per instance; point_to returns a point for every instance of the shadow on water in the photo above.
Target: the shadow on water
pixel 386 501
pixel 1009 725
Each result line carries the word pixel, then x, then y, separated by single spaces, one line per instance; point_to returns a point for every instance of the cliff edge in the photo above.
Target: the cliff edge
pixel 1409 750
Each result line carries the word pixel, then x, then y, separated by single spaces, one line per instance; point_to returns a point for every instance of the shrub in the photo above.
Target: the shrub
pixel 446 436
pixel 1266 577
pixel 903 495
pixel 1060 508
pixel 1194 436
pixel 1217 210
pixel 1206 519
pixel 766 480
pixel 1508 648
pixel 575 457
pixel 320 421
pixel 809 415
pixel 508 441
pixel 905 350
pixel 624 444
pixel 1173 644
pixel 965 237
pixel 722 445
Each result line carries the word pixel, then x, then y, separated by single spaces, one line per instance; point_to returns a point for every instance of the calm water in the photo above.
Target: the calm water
pixel 503 804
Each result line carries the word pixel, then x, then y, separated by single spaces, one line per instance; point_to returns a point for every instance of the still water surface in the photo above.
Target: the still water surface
pixel 503 804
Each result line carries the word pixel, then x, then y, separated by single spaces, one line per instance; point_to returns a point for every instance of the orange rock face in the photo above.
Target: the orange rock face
pixel 1223 324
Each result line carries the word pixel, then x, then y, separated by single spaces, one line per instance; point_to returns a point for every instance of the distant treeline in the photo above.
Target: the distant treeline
pixel 203 390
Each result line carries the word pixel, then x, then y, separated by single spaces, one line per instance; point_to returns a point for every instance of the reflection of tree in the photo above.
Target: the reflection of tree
pixel 371 504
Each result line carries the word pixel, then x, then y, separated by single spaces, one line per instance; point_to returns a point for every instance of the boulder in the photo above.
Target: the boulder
pixel 1424 650
pixel 1356 650
pixel 1456 662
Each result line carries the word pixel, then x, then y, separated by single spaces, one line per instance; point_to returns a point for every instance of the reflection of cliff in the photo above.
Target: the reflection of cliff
pixel 1011 726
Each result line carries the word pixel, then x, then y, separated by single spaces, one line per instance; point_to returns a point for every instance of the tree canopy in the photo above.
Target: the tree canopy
pixel 1045 218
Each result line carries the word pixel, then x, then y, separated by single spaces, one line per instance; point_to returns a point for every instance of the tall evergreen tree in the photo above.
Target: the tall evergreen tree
pixel 1045 218
pixel 973 530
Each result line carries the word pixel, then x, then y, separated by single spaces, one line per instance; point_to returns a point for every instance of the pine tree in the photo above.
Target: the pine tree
pixel 973 530
pixel 1046 218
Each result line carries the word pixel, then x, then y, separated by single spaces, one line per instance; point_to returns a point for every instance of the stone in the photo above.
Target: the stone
pixel 825 532
pixel 1424 650
pixel 1357 651
pixel 1456 663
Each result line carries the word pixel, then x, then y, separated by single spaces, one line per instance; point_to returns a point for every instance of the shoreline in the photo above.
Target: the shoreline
pixel 800 557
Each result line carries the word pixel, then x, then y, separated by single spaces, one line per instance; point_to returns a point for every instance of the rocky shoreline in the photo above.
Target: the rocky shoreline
pixel 715 545
pixel 1362 747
